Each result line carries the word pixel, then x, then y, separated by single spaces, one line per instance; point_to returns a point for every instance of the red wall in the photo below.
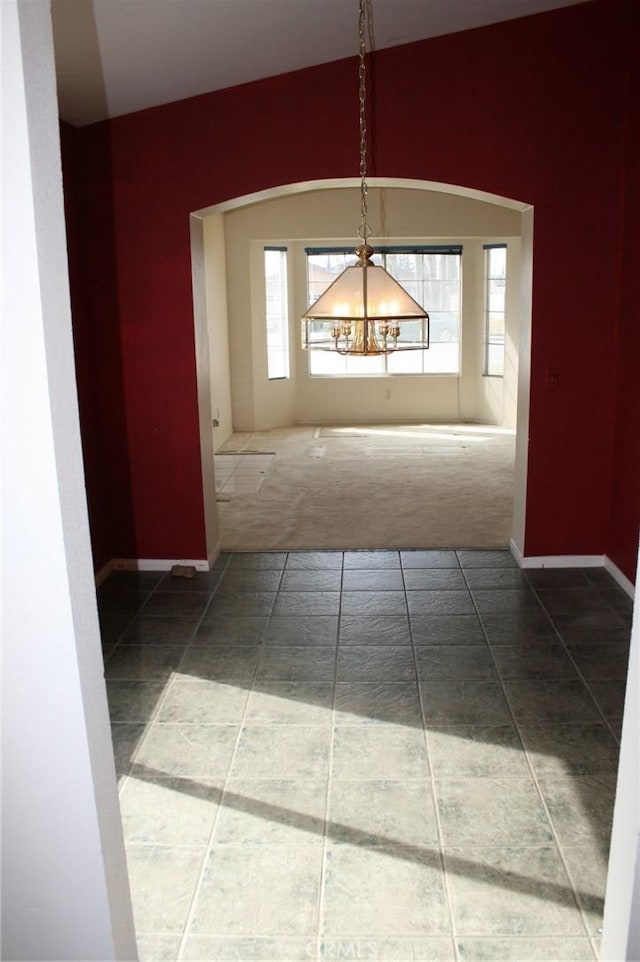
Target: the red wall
pixel 96 336
pixel 625 501
pixel 534 109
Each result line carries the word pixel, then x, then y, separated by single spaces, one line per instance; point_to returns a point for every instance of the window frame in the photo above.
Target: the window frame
pixel 284 350
pixel 488 311
pixel 454 249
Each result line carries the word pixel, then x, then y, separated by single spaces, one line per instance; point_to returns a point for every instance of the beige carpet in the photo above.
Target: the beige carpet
pixel 375 486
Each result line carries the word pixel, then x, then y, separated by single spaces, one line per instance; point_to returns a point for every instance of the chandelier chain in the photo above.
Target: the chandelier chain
pixel 365 312
pixel 364 231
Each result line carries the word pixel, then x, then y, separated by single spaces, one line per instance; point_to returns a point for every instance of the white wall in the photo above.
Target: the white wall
pixel 217 325
pixel 65 890
pixel 328 217
pixel 524 382
pixel 205 370
pixel 621 936
pixel 240 335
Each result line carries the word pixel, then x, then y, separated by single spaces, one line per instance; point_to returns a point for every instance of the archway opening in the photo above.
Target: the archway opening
pixel 235 392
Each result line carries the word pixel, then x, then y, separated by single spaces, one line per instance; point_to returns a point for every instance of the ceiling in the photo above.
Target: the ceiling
pixel 117 56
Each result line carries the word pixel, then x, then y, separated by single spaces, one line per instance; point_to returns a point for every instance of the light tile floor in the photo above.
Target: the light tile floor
pixel 370 755
pixel 241 473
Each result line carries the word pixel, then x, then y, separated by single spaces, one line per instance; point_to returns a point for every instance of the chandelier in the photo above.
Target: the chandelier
pixel 365 311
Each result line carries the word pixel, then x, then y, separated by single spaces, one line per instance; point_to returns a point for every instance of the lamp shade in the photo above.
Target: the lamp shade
pixel 365 312
pixel 367 292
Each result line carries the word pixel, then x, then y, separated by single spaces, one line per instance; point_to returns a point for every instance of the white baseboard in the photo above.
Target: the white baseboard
pixel 575 561
pixel 541 561
pixel 149 564
pixel 157 564
pixel 515 551
pixel 103 573
pixel 214 554
pixel 626 585
pixel 558 560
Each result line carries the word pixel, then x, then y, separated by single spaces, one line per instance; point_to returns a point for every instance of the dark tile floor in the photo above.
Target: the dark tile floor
pixel 366 755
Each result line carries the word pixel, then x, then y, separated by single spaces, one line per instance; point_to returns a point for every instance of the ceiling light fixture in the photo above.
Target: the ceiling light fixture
pixel 365 311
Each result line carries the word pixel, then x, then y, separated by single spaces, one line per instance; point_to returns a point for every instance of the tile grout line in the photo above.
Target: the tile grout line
pixel 316 938
pixel 183 938
pixel 186 931
pixel 583 912
pixel 136 614
pixel 559 847
pixel 581 676
pixel 533 774
pixel 175 671
pixel 443 865
pixel 241 728
pixel 167 686
pixel 327 819
pixel 160 703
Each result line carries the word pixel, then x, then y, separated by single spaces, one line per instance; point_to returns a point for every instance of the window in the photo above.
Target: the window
pixel 495 305
pixel 277 312
pixel 431 275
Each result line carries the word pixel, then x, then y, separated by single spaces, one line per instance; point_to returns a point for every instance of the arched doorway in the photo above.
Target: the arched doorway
pixel 210 298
